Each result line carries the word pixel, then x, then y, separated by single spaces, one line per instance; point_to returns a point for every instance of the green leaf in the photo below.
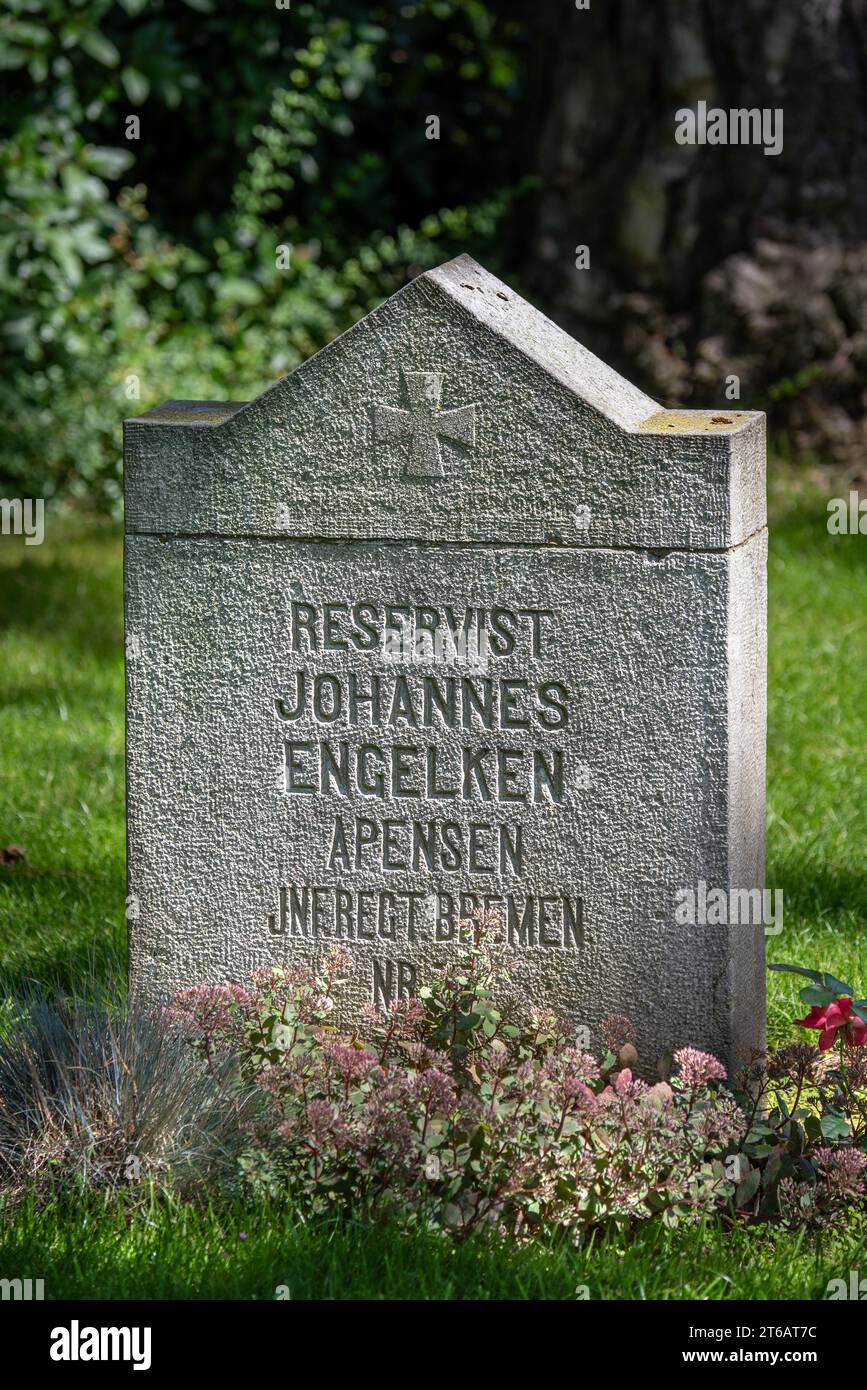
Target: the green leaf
pixel 61 251
pixel 759 1130
pixel 774 1166
pixel 99 47
pixel 90 246
pixel 20 31
pixel 239 292
pixel 798 970
pixel 835 1127
pixel 817 994
pixel 108 163
pixel 831 982
pixel 823 978
pixel 11 58
pixel 748 1187
pixel 136 85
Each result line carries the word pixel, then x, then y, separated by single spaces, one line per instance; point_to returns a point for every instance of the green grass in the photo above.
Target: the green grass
pixel 174 1251
pixel 817 750
pixel 62 914
pixel 61 753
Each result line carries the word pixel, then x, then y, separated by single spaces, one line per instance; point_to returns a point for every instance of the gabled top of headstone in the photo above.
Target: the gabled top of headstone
pixel 455 411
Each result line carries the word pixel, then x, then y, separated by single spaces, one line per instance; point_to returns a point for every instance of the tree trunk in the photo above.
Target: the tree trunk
pixel 709 262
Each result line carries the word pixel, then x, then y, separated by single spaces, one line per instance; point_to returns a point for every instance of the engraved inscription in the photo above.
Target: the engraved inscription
pixel 431 770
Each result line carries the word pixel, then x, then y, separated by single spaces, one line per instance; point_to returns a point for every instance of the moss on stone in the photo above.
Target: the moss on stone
pixel 191 412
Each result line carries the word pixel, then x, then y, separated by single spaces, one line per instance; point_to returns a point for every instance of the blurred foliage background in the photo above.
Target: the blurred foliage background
pixel 134 270
pixel 282 182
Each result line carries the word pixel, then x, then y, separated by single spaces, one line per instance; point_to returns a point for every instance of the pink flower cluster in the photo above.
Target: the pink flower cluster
pixel 207 1009
pixel 697 1068
pixel 843 1170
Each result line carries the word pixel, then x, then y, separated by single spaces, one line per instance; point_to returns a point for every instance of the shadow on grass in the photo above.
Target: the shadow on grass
pixel 800 526
pixel 72 603
pixel 90 966
pixel 814 892
pixel 74 923
pixel 76 683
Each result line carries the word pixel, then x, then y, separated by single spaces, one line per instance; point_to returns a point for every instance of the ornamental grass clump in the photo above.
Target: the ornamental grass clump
pixel 94 1094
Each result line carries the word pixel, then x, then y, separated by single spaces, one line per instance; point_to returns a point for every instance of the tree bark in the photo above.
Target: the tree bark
pixel 709 261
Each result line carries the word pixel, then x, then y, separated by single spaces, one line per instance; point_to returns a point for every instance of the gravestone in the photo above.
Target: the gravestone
pixel 452 617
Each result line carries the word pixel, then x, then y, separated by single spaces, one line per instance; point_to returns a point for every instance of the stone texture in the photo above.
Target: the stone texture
pixel 454 451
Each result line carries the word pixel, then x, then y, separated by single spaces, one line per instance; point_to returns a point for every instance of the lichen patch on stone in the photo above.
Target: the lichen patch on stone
pixel 694 421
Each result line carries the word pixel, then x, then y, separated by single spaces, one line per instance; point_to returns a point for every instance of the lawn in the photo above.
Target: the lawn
pixel 62 915
pixel 224 1251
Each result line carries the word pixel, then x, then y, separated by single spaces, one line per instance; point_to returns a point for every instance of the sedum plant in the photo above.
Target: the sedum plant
pixel 455 1111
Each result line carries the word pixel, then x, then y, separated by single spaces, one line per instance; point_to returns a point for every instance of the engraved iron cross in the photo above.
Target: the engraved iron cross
pixel 424 422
